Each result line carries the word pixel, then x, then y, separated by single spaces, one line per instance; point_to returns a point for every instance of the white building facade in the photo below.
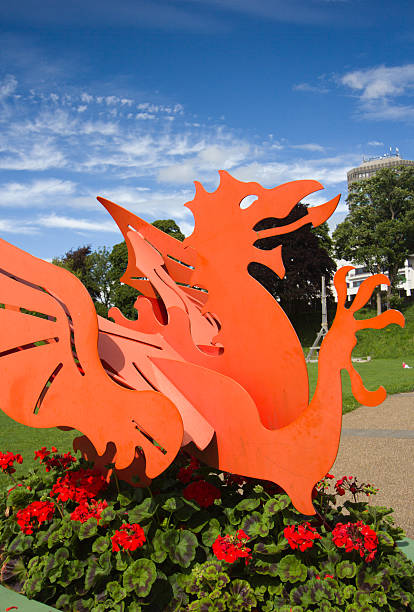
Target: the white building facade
pixel 356 277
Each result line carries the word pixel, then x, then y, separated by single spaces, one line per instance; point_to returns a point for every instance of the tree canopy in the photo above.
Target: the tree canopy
pixel 307 256
pixel 378 232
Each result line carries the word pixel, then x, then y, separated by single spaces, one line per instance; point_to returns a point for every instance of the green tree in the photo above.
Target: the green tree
pixel 307 256
pixel 378 232
pixel 93 268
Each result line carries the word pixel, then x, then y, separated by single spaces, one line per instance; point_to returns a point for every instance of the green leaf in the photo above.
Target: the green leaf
pixel 160 552
pixel 210 535
pixel 43 536
pixel 256 524
pixel 64 601
pixel 101 544
pixel 276 504
pixel 346 569
pixel 61 555
pixel 143 511
pixel 248 504
pixel 123 500
pixel 184 551
pixel 32 586
pixel 94 572
pixel 271 548
pixel 290 569
pixel 232 516
pixel 262 567
pixel 107 516
pixel 88 529
pixel 20 543
pixel 121 560
pixel 385 540
pixel 140 576
pixel 172 504
pixel 115 591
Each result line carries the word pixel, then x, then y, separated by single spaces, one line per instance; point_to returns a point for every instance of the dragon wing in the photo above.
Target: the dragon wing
pixel 52 374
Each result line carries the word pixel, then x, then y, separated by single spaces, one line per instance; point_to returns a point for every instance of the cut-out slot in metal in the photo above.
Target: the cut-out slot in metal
pixel 46 387
pixel 149 438
pixel 30 345
pixel 32 313
pixel 181 262
pixel 149 383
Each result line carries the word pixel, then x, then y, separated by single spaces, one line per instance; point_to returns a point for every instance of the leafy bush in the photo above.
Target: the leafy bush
pixel 196 540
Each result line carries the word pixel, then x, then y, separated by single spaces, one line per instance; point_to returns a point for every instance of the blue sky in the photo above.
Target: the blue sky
pixel 133 100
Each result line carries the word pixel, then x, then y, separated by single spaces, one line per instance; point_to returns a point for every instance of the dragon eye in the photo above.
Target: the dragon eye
pixel 248 201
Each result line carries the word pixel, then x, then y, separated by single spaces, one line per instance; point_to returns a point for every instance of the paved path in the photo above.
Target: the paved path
pixel 377 446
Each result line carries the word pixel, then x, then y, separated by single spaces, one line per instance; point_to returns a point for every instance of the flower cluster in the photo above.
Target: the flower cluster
pixel 325 577
pixel 185 474
pixel 129 537
pixel 7 460
pixel 87 510
pixel 36 513
pixel 79 485
pixel 356 536
pixel 301 536
pixel 232 547
pixel 57 461
pixel 202 492
pixel 350 483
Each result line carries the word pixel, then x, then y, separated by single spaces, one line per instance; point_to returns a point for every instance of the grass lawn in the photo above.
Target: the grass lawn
pixel 20 439
pixel 386 372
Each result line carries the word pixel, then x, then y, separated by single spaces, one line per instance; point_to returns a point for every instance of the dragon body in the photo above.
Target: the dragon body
pixel 212 363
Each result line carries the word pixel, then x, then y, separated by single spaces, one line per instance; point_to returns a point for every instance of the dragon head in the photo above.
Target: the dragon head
pixel 224 230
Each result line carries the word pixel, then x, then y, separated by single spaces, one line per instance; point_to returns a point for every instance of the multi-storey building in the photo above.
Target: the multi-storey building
pixel 366 170
pixel 370 166
pixel 359 274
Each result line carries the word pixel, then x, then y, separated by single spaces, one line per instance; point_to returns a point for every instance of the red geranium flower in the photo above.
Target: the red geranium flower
pixel 232 547
pixel 301 536
pixel 36 511
pixel 7 460
pixel 185 474
pixel 87 510
pixel 79 485
pixel 128 537
pixel 57 461
pixel 202 492
pixel 356 536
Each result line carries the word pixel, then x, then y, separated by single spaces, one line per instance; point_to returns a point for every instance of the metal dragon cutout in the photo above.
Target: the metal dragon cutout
pixel 212 363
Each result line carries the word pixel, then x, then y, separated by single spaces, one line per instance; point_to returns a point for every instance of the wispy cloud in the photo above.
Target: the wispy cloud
pixel 378 89
pixel 17 226
pixel 307 87
pixel 311 146
pixel 42 192
pixel 61 222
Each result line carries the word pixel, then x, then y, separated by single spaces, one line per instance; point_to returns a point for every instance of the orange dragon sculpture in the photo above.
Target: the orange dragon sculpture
pixel 212 363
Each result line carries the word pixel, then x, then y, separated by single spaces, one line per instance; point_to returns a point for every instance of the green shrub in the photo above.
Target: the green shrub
pixel 196 540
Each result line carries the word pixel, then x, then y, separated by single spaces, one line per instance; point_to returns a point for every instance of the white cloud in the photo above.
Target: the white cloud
pixel 375 143
pixel 42 192
pixel 60 222
pixel 17 226
pixel 7 86
pixel 32 156
pixel 311 146
pixel 381 82
pixel 378 88
pixel 319 88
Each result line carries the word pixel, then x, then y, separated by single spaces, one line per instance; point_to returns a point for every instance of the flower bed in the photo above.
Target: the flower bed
pixel 196 540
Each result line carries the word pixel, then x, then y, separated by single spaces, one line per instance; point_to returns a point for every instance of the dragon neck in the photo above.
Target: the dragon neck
pixel 261 349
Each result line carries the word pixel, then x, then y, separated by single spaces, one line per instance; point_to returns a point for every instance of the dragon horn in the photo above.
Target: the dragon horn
pixel 319 214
